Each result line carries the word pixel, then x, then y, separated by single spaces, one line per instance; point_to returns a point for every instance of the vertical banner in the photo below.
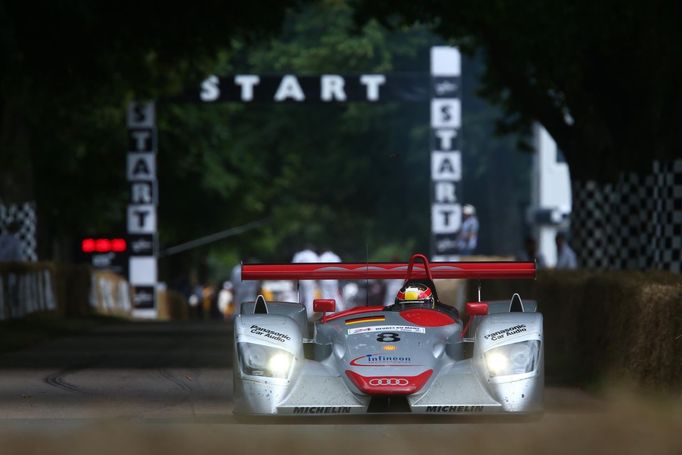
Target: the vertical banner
pixel 446 161
pixel 141 171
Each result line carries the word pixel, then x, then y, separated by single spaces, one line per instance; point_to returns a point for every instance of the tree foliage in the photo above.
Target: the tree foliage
pixel 355 176
pixel 340 174
pixel 602 77
pixel 69 69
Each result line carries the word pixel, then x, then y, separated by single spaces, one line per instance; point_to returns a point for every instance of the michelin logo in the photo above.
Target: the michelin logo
pixel 322 410
pixel 453 409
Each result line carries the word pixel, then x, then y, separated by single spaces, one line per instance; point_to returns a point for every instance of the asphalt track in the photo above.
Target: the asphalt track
pixel 166 388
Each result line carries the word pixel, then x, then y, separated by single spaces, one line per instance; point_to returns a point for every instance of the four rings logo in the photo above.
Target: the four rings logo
pixel 387 381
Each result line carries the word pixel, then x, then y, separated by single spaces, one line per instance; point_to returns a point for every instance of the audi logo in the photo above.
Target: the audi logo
pixel 387 381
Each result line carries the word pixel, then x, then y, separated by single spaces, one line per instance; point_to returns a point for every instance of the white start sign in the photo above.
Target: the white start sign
pixel 446 157
pixel 141 213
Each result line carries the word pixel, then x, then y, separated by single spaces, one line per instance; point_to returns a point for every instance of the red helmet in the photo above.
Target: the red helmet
pixel 415 293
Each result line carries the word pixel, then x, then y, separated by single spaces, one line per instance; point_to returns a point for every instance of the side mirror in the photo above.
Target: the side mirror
pixel 324 305
pixel 477 308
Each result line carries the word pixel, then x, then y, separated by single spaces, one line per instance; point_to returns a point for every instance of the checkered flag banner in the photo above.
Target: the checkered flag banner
pixel 634 223
pixel 24 214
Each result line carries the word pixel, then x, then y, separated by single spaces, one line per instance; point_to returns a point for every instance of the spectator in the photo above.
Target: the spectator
pixel 307 287
pixel 194 301
pixel 391 287
pixel 330 288
pixel 530 253
pixel 10 246
pixel 467 237
pixel 244 291
pixel 391 291
pixel 566 258
pixel 207 300
pixel 225 300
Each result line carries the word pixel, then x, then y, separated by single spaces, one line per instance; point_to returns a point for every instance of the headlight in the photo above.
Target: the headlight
pixel 280 364
pixel 515 358
pixel 259 360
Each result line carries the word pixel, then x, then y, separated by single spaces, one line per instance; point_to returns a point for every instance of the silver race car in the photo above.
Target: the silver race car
pixel 415 356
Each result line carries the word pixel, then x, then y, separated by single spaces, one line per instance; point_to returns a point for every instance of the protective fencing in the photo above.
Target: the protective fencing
pixel 68 290
pixel 601 326
pixel 110 294
pixel 26 289
pixel 633 223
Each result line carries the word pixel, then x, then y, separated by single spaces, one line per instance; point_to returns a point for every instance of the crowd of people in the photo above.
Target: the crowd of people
pixel 207 301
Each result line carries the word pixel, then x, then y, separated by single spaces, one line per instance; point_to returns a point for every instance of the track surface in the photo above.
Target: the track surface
pixel 166 388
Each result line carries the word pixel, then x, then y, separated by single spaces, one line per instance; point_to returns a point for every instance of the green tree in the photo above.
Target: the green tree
pixel 602 77
pixel 350 175
pixel 354 176
pixel 68 71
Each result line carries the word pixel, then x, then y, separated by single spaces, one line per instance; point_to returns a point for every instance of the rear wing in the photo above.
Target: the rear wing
pixel 390 270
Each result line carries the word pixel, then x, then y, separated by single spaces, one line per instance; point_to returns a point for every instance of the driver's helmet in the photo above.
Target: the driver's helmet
pixel 415 293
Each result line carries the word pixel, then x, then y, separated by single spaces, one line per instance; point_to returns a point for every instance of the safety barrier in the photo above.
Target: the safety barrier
pixel 605 325
pixel 172 306
pixel 68 290
pixel 110 294
pixel 25 289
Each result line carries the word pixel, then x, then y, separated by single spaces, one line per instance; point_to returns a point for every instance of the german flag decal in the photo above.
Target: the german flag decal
pixel 362 320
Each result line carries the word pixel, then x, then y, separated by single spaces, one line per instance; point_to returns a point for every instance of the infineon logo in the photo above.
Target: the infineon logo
pixel 381 360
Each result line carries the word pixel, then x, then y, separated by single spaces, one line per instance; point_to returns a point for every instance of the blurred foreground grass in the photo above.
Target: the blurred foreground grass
pixel 38 327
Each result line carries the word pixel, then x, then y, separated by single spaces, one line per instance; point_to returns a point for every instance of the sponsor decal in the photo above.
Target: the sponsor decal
pixel 365 319
pixel 381 360
pixel 445 87
pixel 386 328
pixel 509 331
pixel 142 244
pixel 453 409
pixel 144 296
pixel 390 347
pixel 322 410
pixel 446 244
pixel 271 334
pixel 388 382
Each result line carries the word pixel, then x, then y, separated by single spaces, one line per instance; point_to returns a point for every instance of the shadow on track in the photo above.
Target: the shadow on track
pixel 137 345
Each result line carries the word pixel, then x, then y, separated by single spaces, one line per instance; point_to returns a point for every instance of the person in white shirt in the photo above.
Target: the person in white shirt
pixel 225 299
pixel 392 288
pixel 330 288
pixel 243 291
pixel 307 287
pixel 566 258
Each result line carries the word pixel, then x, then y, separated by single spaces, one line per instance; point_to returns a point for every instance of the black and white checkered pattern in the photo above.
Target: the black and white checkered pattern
pixel 24 214
pixel 634 223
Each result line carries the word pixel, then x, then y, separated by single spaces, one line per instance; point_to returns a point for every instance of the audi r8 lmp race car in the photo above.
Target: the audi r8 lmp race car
pixel 413 357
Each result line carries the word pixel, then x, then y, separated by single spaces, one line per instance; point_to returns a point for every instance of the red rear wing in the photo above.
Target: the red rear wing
pixel 389 270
